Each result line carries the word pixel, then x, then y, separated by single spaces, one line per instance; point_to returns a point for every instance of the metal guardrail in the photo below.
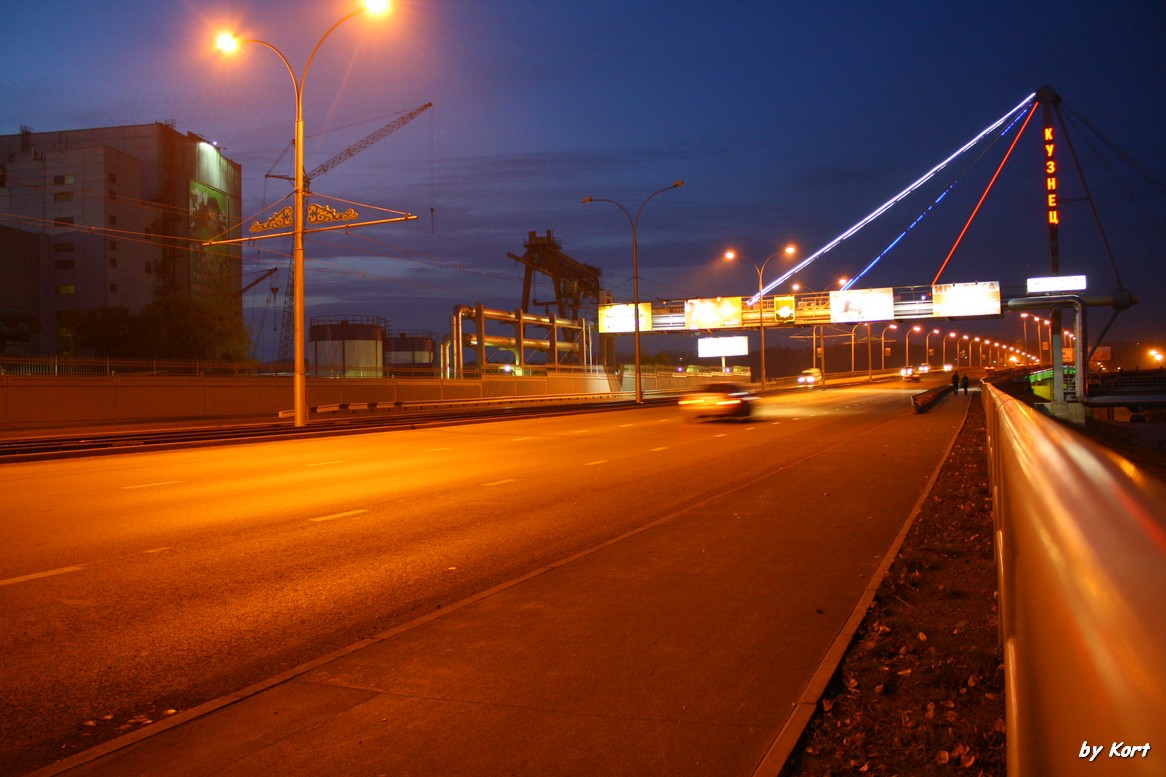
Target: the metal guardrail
pixel 1081 560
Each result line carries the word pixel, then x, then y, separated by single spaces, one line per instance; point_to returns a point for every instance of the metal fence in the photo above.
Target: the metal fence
pixel 1081 558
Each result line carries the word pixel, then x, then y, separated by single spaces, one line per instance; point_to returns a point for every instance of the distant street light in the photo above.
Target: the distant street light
pixel 634 222
pixel 883 344
pixel 229 43
pixel 950 336
pixel 789 250
pixel 927 345
pixel 907 344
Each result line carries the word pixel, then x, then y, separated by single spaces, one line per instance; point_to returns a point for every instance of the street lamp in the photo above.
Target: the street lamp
pixel 950 336
pixel 634 222
pixel 907 344
pixel 229 43
pixel 927 345
pixel 789 250
pixel 883 344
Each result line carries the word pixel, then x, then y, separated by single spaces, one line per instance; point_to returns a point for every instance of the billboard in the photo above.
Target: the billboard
pixel 713 313
pixel 722 346
pixel 617 318
pixel 783 309
pixel 981 298
pixel 853 306
pixel 1056 283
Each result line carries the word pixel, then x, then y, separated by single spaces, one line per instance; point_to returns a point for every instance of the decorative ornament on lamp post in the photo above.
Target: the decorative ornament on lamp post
pixel 228 44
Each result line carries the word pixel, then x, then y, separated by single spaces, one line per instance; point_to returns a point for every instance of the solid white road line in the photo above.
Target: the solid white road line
pixel 334 516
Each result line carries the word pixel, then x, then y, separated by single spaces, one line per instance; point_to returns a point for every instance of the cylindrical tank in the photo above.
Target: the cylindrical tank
pixel 347 346
pixel 411 351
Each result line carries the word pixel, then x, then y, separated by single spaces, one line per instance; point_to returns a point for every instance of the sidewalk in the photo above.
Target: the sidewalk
pixel 682 648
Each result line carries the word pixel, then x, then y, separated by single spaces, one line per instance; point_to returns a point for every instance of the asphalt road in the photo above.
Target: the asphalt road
pixel 137 584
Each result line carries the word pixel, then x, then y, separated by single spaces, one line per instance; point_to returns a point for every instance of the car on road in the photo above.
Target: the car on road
pixel 909 374
pixel 719 400
pixel 810 378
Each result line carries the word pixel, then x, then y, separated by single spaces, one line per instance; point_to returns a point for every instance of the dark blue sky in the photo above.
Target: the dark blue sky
pixel 789 122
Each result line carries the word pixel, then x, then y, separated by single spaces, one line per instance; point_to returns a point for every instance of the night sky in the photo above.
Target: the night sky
pixel 788 122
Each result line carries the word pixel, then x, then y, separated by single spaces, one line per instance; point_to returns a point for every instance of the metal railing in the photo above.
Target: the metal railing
pixel 1081 558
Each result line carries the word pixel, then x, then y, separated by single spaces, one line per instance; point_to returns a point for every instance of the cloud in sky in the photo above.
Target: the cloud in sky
pixel 787 121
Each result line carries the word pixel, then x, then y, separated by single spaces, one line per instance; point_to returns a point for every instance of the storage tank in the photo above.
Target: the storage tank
pixel 411 352
pixel 347 346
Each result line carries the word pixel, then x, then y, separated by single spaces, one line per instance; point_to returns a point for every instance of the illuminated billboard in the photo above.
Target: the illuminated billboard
pixel 857 305
pixel 714 313
pixel 617 318
pixel 783 309
pixel 722 346
pixel 981 298
pixel 1056 283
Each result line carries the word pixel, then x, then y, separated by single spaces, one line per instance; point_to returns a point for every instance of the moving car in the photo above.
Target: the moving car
pixel 810 378
pixel 909 373
pixel 713 400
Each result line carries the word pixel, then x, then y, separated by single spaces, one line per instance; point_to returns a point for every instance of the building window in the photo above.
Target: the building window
pixel 63 180
pixel 66 289
pixel 113 177
pixel 63 248
pixel 112 220
pixel 63 264
pixel 113 288
pixel 63 221
pixel 113 261
pixel 112 194
pixel 62 196
pixel 149 268
pixel 112 245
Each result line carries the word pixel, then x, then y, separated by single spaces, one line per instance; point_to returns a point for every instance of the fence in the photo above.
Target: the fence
pixel 1081 559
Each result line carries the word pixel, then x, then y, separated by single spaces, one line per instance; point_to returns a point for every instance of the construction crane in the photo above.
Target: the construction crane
pixel 256 282
pixel 359 146
pixel 287 327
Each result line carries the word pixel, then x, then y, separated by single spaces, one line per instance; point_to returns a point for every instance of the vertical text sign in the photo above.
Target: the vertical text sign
pixel 1051 177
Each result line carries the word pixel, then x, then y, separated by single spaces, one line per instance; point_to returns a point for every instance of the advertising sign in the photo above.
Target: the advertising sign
pixel 722 346
pixel 714 313
pixel 783 309
pixel 856 305
pixel 617 318
pixel 981 298
pixel 1056 283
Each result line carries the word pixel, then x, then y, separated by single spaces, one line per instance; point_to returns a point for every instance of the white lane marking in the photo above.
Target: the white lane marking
pixel 50 573
pixel 499 482
pixel 520 439
pixel 151 485
pixel 624 426
pixel 593 463
pixel 580 431
pixel 435 450
pixel 664 448
pixel 158 550
pixel 324 463
pixel 722 434
pixel 334 516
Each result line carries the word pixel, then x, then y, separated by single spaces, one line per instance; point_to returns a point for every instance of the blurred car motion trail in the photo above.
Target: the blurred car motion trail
pixel 718 400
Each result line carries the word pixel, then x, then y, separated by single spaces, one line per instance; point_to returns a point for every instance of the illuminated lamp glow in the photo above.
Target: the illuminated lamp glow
pixel 227 43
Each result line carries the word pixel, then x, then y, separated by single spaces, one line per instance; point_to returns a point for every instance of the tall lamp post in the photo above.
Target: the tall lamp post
pixel 228 43
pixel 927 345
pixel 883 344
pixel 634 222
pixel 950 336
pixel 789 250
pixel 907 344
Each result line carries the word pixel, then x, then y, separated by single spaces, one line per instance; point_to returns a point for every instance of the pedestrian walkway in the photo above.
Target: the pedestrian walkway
pixel 684 648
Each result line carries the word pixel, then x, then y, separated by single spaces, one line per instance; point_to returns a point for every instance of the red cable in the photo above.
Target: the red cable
pixel 984 196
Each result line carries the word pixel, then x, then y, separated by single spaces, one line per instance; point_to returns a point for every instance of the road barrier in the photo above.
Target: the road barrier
pixel 1081 559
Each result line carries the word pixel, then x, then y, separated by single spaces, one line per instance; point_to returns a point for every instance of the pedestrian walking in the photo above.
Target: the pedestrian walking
pixel 955 383
pixel 964 383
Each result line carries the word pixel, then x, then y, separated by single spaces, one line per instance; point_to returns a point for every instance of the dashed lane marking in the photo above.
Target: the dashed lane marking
pixel 334 516
pixel 50 573
pixel 151 485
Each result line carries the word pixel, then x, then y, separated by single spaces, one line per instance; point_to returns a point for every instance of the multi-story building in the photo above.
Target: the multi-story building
pixel 120 214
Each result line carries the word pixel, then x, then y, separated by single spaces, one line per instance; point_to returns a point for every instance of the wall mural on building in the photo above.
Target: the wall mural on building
pixel 208 220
